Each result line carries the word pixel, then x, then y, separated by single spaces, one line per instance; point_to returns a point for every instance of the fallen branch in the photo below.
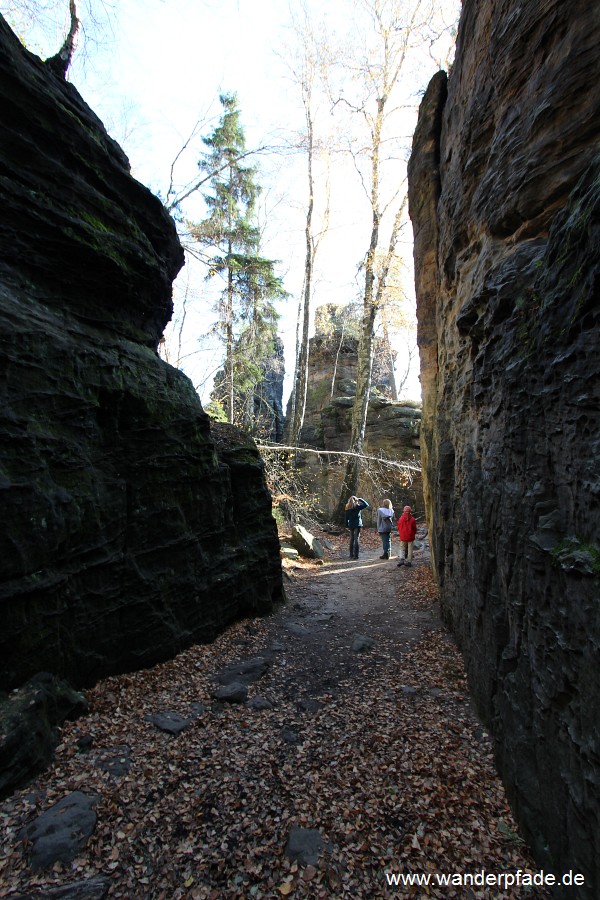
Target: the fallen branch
pixel 394 464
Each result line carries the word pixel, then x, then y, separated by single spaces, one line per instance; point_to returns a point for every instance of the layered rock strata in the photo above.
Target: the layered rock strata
pixel 126 531
pixel 505 202
pixel 392 427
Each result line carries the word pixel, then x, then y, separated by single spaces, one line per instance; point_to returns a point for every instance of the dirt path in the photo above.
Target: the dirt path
pixel 356 759
pixel 329 606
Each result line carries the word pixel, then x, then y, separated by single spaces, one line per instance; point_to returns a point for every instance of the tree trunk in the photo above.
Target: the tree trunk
pixel 360 409
pixel 363 379
pixel 381 287
pixel 396 32
pixel 301 379
pixel 367 332
pixel 389 362
pixel 337 359
pixel 229 343
pixel 287 428
pixel 60 62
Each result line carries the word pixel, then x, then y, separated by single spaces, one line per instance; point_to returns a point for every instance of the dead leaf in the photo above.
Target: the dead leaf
pixel 309 873
pixel 391 765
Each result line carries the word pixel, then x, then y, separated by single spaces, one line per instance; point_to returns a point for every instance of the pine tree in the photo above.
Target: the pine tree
pixel 258 287
pixel 246 315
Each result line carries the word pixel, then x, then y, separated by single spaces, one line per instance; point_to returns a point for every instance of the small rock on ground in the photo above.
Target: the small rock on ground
pixel 304 846
pixel 61 832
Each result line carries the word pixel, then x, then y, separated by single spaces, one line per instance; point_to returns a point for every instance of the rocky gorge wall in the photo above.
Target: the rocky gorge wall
pixel 505 203
pixel 392 427
pixel 127 529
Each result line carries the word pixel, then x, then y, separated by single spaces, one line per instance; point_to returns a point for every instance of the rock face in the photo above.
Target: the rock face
pixel 60 833
pixel 268 399
pixel 30 718
pixel 127 530
pixel 505 202
pixel 265 409
pixel 392 426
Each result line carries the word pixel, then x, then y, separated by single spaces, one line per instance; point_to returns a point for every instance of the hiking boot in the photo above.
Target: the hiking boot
pixel 385 556
pixel 401 563
pixel 408 563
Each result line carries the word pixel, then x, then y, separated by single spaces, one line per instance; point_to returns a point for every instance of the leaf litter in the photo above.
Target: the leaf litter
pixel 380 752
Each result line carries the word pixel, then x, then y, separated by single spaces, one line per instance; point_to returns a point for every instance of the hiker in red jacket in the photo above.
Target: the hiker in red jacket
pixel 407 529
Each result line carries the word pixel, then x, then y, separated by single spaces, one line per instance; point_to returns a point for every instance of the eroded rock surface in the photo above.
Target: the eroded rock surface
pixel 62 831
pixel 505 203
pixel 127 530
pixel 392 425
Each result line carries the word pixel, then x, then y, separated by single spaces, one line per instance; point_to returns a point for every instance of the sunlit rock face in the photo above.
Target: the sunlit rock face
pixel 127 531
pixel 505 201
pixel 392 426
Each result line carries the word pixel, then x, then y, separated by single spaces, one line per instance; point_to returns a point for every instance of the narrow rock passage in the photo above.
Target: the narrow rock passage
pixel 350 754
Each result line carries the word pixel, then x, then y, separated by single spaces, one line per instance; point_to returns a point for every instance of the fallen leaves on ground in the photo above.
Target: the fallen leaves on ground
pixel 381 753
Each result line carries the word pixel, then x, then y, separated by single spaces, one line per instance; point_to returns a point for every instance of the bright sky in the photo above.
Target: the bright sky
pixel 158 70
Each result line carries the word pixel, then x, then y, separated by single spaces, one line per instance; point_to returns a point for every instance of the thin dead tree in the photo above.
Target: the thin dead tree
pixel 337 359
pixel 306 74
pixel 382 285
pixel 175 198
pixel 404 466
pixel 293 491
pixel 398 27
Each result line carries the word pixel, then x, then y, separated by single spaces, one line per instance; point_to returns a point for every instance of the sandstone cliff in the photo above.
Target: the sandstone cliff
pixel 264 412
pixel 505 203
pixel 126 532
pixel 392 427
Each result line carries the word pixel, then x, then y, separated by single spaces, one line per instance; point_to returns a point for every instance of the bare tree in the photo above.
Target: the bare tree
pixel 397 322
pixel 305 71
pixel 397 27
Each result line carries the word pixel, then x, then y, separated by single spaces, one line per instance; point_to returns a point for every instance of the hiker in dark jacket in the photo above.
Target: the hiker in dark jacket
pixel 354 507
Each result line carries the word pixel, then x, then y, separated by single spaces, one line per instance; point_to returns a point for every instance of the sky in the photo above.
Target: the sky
pixel 153 70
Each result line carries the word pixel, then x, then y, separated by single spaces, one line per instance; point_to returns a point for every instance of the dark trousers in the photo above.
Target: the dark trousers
pixel 354 542
pixel 386 540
